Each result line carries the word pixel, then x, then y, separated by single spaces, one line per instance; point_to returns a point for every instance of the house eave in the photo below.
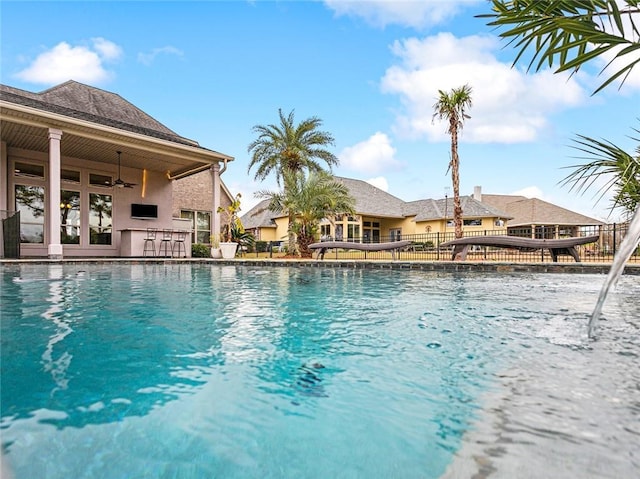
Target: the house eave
pixel 26 127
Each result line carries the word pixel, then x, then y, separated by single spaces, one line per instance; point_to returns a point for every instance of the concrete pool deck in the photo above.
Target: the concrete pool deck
pixel 444 266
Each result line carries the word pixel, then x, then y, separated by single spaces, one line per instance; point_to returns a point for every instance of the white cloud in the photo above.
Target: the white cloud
pixel 529 192
pixel 379 182
pixel 148 58
pixel 106 49
pixel 509 106
pixel 415 13
pixel 370 156
pixel 65 62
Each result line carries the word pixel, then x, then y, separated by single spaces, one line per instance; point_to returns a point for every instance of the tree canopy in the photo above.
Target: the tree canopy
pixel 290 147
pixel 308 200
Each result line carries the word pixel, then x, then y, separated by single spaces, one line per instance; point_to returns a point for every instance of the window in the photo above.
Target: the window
pixel 200 225
pixel 30 204
pixel 100 225
pixel 70 176
pixel 353 232
pixel 99 180
pixel 499 223
pixel 27 170
pixel 474 222
pixel 69 217
pixel 325 231
pixel 203 227
pixel 371 231
pixel 395 234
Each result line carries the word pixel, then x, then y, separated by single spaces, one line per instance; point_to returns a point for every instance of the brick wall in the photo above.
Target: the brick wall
pixel 195 192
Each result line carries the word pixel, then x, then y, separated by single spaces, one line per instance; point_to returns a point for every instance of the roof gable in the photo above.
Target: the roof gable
pixel 428 210
pixel 529 211
pixel 372 201
pixel 77 100
pixel 94 101
pixel 260 216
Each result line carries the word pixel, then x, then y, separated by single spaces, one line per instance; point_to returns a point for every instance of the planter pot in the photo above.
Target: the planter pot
pixel 228 250
pixel 216 253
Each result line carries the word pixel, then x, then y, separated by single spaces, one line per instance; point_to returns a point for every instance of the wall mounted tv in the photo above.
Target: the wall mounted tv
pixel 144 212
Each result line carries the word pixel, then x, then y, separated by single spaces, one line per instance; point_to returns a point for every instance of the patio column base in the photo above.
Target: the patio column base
pixel 55 251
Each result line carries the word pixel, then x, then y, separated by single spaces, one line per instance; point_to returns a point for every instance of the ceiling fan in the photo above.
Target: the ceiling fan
pixel 120 183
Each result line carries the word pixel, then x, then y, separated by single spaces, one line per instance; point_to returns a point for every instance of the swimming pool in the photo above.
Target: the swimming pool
pixel 201 371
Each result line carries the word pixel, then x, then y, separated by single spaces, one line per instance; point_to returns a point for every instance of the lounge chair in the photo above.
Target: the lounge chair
pixel 557 247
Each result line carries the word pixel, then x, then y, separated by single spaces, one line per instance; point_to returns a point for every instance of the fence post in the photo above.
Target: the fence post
pixel 614 239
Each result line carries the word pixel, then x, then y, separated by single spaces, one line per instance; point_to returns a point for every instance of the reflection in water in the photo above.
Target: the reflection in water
pixel 107 347
pixel 628 246
pixel 55 313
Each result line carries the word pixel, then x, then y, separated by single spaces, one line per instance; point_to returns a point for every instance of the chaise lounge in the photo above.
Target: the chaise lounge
pixel 557 247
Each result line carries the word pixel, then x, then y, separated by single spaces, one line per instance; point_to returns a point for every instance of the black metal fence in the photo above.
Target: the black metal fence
pixel 428 247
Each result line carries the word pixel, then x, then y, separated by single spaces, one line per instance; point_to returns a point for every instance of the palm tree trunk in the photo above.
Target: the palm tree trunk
pixel 455 180
pixel 291 237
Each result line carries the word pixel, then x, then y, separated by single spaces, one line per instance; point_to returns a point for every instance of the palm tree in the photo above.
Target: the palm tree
pixel 308 200
pixel 619 170
pixel 288 147
pixel 452 107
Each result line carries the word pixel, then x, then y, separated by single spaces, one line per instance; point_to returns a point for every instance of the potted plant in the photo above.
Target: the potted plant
pixel 229 221
pixel 216 252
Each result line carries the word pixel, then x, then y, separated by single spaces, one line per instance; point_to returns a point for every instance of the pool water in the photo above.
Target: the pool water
pixel 201 371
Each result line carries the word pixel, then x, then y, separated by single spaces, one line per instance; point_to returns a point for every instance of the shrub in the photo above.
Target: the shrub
pixel 199 250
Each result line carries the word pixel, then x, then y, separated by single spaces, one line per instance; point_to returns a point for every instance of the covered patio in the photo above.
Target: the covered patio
pixel 89 172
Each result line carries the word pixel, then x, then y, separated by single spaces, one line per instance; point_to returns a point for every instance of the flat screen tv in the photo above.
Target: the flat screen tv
pixel 144 211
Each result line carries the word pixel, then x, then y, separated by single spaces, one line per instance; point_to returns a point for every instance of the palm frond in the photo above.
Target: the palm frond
pixel 570 33
pixel 609 168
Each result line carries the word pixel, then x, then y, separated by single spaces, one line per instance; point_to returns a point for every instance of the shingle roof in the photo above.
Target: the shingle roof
pixel 371 200
pixel 84 102
pixel 534 211
pixel 260 216
pixel 425 210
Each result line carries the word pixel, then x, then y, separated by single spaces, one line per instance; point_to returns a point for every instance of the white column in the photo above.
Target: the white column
pixel 215 181
pixel 53 209
pixel 4 179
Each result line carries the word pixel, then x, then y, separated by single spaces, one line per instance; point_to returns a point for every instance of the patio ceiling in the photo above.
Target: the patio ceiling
pixel 89 141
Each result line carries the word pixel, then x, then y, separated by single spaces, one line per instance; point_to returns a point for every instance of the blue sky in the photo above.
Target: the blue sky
pixel 211 70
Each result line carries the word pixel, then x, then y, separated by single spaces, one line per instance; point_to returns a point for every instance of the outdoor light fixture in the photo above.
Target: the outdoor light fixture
pixel 120 183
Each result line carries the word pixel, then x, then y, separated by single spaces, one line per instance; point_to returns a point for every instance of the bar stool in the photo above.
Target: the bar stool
pixel 179 243
pixel 165 243
pixel 150 242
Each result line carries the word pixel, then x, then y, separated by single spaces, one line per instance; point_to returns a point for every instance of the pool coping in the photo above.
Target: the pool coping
pixel 445 266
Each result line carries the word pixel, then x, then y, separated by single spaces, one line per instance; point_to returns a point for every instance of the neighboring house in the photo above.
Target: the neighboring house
pixel 535 218
pixel 76 195
pixel 381 217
